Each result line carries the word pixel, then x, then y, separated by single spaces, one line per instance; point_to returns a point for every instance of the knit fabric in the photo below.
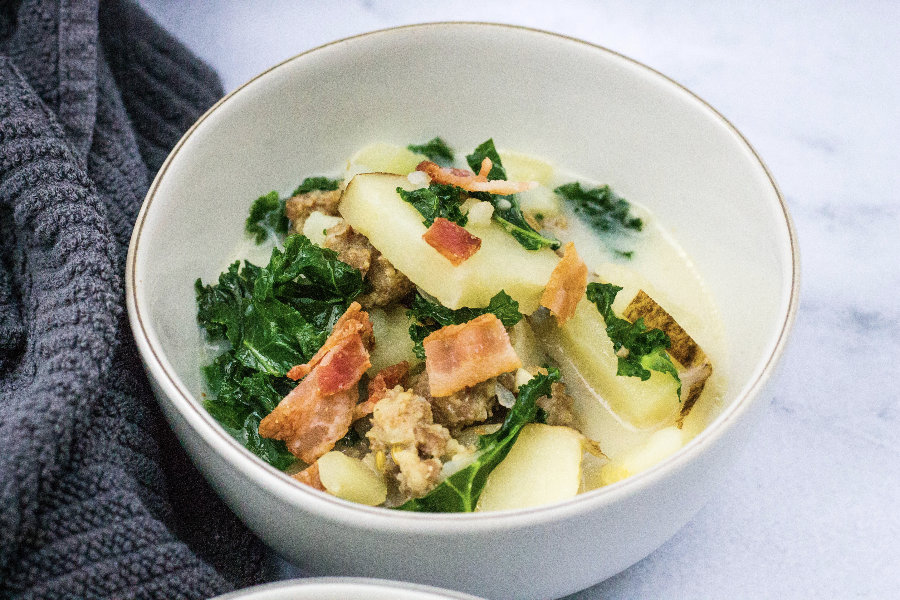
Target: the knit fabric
pixel 97 499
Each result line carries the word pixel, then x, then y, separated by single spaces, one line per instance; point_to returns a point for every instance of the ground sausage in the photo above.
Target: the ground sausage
pixel 352 248
pixel 466 407
pixel 385 284
pixel 558 406
pixel 299 207
pixel 404 431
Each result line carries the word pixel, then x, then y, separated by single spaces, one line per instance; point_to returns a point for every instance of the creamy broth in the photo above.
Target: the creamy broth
pixel 660 267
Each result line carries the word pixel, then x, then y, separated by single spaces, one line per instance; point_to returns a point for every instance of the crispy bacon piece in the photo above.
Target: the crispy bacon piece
pixel 343 366
pixel 567 285
pixel 378 388
pixel 354 320
pixel 453 242
pixel 459 356
pixel 319 411
pixel 309 421
pixel 471 182
pixel 310 476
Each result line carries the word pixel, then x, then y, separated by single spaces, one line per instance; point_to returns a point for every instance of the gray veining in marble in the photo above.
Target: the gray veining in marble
pixel 811 509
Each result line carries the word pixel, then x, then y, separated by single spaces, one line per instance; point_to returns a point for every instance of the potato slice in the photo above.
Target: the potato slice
pixel 351 479
pixel 372 206
pixel 697 367
pixel 392 341
pixel 383 158
pixel 526 345
pixel 543 466
pixel 658 446
pixel 524 167
pixel 583 344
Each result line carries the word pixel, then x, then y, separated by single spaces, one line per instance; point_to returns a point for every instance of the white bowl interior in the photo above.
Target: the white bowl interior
pixel 589 110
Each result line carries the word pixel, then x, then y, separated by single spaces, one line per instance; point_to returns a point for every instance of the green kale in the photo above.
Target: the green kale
pixel 273 318
pixel 278 316
pixel 507 212
pixel 487 150
pixel 220 307
pixel 644 349
pixel 430 316
pixel 266 215
pixel 460 491
pixel 600 207
pixel 436 150
pixel 239 401
pixel 305 270
pixel 317 183
pixel 437 200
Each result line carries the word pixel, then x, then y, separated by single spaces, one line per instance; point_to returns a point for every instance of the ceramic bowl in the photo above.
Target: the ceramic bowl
pixel 597 113
pixel 342 588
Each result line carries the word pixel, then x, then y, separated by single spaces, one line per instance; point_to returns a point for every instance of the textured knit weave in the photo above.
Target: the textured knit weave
pixel 97 500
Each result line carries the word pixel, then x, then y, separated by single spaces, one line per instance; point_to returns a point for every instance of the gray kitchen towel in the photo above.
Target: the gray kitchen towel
pixel 97 500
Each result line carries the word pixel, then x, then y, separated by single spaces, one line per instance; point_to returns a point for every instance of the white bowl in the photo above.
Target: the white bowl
pixel 342 588
pixel 593 111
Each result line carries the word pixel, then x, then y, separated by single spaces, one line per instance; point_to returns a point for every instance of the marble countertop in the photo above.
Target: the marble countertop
pixel 811 509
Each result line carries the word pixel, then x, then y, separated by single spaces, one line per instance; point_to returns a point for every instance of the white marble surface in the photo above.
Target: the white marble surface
pixel 813 508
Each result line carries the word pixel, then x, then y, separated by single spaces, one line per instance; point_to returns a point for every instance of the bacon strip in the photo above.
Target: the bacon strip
pixel 319 411
pixel 354 320
pixel 310 476
pixel 471 182
pixel 343 366
pixel 567 285
pixel 459 356
pixel 378 388
pixel 308 421
pixel 453 242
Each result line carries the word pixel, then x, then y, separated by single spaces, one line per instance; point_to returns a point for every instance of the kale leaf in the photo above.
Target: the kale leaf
pixel 507 212
pixel 430 316
pixel 644 349
pixel 267 212
pixel 266 215
pixel 317 183
pixel 273 318
pixel 487 150
pixel 436 150
pixel 239 401
pixel 437 200
pixel 600 207
pixel 276 317
pixel 460 492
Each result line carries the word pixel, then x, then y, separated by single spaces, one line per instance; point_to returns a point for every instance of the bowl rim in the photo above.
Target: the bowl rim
pixel 278 483
pixel 367 583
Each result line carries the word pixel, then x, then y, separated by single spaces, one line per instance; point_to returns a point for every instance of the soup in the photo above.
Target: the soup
pixel 434 338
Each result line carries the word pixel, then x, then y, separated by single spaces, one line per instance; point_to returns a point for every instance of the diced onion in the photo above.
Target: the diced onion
pixel 506 398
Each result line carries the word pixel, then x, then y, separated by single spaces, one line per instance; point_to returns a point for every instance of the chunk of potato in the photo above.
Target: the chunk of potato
pixel 526 345
pixel 697 367
pixel 383 158
pixel 371 205
pixel 351 479
pixel 523 167
pixel 658 446
pixel 392 341
pixel 583 342
pixel 543 466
